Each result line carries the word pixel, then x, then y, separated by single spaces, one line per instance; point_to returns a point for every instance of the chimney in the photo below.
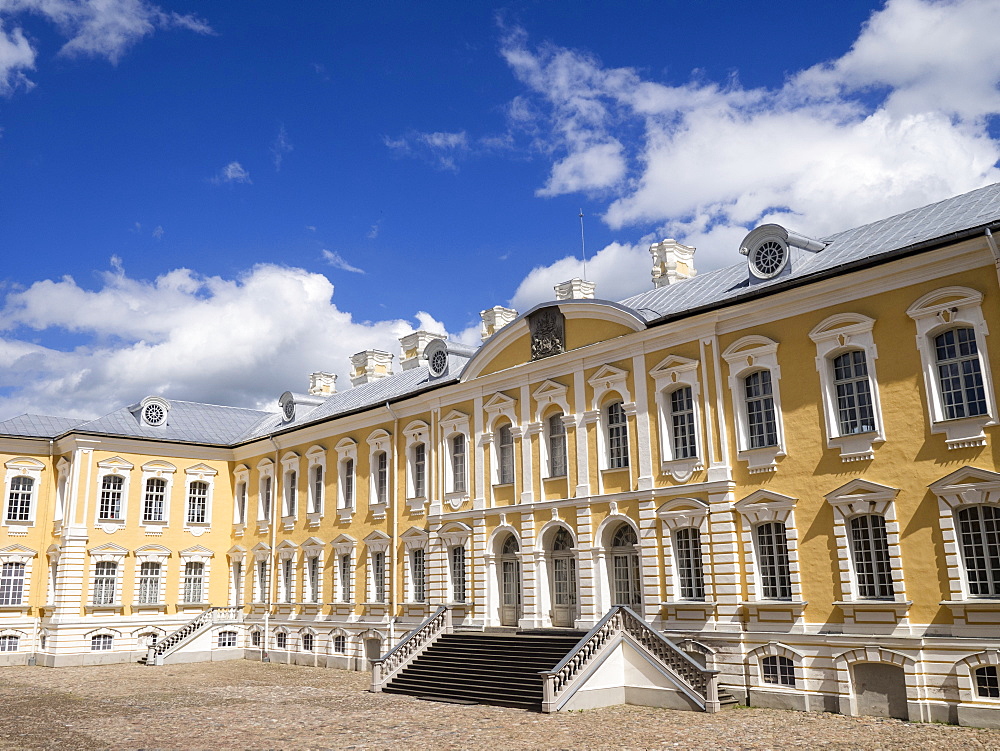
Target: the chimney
pixel 494 319
pixel 369 365
pixel 672 262
pixel 322 384
pixel 575 289
pixel 412 346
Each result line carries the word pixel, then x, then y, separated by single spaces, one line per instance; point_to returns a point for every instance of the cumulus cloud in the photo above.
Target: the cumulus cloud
pixel 96 28
pixel 232 173
pixel 336 260
pixel 895 122
pixel 266 331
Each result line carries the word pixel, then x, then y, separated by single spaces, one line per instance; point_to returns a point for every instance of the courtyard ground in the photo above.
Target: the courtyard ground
pixel 250 705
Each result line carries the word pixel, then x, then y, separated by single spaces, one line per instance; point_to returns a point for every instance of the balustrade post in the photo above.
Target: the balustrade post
pixel 377 676
pixel 447 621
pixel 548 693
pixel 150 655
pixel 712 704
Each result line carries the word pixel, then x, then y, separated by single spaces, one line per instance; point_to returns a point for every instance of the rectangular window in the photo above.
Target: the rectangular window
pixel 11 583
pixel 870 549
pixel 378 576
pixel 381 477
pixel 557 446
pixel 105 578
pixel 960 373
pixel 979 534
pixel 154 501
pixel 265 497
pixel 287 578
pixel 505 455
pixel 238 583
pixel 112 487
pixel 778 670
pixel 149 583
pixel 263 586
pixel 19 499
pixel 855 413
pixel 687 550
pixel 772 559
pixel 762 426
pixel 457 464
pixel 241 503
pixel 101 643
pixel 417 575
pixel 317 484
pixel 345 577
pixel 198 503
pixel 617 436
pixel 682 423
pixel 291 489
pixel 987 683
pixel 349 483
pixel 227 639
pixel 314 592
pixel 419 470
pixel 194 581
pixel 458 573
pixel 9 643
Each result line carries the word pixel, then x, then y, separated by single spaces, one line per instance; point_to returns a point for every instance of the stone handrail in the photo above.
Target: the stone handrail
pixel 156 653
pixel 415 642
pixel 699 683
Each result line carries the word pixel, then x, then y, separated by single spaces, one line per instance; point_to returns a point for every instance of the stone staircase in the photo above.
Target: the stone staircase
pixel 485 668
pixel 169 644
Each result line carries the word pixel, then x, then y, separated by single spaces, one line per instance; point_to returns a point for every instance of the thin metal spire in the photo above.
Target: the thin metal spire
pixel 583 245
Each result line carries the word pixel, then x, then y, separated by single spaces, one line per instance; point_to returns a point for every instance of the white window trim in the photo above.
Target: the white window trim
pixel 199 473
pixel 19 554
pixel 261 552
pixel 241 479
pixel 415 433
pixel 452 536
pixel 22 467
pixel 967 486
pixel 380 440
pixel 498 408
pixel 966 670
pixel 835 336
pixel 113 466
pixel 347 449
pixel 344 545
pixel 745 356
pixel 159 470
pixel 456 422
pixel 610 384
pixel 312 548
pixel 265 469
pixel 861 498
pixel 316 457
pixel 685 513
pixel 151 554
pixel 106 554
pixel 63 468
pixel 377 542
pixel 545 446
pixel 761 507
pixel 937 311
pixel 290 466
pixel 670 374
pixel 415 539
pixel 286 551
pixel 755 663
pixel 237 584
pixel 201 555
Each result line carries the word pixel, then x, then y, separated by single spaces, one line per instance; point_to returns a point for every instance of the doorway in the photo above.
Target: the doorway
pixel 562 560
pixel 510 583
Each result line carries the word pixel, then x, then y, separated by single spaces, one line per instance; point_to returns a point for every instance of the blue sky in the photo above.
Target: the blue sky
pixel 212 200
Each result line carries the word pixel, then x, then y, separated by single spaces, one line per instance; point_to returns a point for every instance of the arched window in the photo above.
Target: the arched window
pixel 762 426
pixel 617 436
pixel 255 638
pixel 19 499
pixel 101 643
pixel 308 642
pixel 959 373
pixel 772 559
pixel 349 483
pixel 687 552
pixel 563 541
pixel 9 643
pixel 197 511
pixel 855 413
pixel 227 639
pixel 682 423
pixel 870 550
pixel 281 640
pixel 111 497
pixel 625 570
pixel 987 683
pixel 557 445
pixel 505 455
pixel 340 644
pixel 979 537
pixel 778 670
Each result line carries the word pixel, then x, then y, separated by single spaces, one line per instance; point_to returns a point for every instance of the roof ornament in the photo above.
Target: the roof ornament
pixel 768 254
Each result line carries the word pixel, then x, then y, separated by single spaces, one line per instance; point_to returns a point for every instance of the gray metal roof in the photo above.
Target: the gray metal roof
pixel 37 426
pixel 189 422
pixel 979 208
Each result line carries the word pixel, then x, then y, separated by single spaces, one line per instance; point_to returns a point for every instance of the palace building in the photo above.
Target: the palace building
pixel 787 467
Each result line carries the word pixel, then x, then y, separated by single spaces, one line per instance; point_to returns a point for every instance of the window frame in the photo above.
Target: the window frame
pixel 746 356
pixel 616 429
pixel 677 515
pixel 767 507
pixel 118 468
pixel 670 375
pixel 347 476
pixel 458 468
pixel 381 491
pixel 318 480
pixel 13 583
pixel 21 468
pixel 504 454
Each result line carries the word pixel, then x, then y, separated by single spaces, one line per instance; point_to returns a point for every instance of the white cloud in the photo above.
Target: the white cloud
pixel 279 148
pixel 236 341
pixel 232 173
pixel 336 260
pixel 896 122
pixel 97 28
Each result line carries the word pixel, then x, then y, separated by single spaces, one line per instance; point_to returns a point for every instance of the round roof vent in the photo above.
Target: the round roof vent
pixel 153 410
pixel 436 354
pixel 287 404
pixel 767 252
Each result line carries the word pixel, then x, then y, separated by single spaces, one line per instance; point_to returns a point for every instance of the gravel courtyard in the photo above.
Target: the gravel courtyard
pixel 249 705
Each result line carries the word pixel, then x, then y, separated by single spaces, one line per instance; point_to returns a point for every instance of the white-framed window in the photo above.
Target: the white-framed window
pixel 552 406
pixel 415 571
pixel 308 641
pixel 236 575
pixel 19 499
pixel 773 569
pixel 101 643
pixel 378 576
pixel 455 539
pixel 193 590
pixel 420 470
pixel 457 560
pixel 775 666
pixel 154 500
pixel 9 642
pixel 200 482
pixel 291 492
pixel 289 487
pixel 348 478
pixel 262 574
pixel 417 435
pixel 455 430
pixel 754 377
pixel 316 457
pixel 12 581
pixel 280 638
pixel 148 584
pixel 197 503
pixel 105 585
pixel 112 491
pixel 346 572
pixel 685 526
pixel 380 471
pixel 504 454
pixel 226 639
pixel 770 540
pixel 978 527
pixel 616 426
pixel 286 553
pixel 951 340
pixel 347 460
pixel 241 487
pixel 679 411
pixel 777 670
pixel 21 483
pixel 687 557
pixel 845 361
pixel 344 549
pixel 555 441
pixel 458 445
pixel 312 570
pixel 255 638
pixel 265 491
pixel 339 644
pixel 377 544
pixel 613 405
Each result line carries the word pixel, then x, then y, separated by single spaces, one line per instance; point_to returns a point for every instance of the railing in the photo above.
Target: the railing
pixel 699 684
pixel 415 642
pixel 156 653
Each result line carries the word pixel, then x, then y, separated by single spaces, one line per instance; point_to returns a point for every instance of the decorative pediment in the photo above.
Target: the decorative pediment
pixel 682 506
pixel 862 490
pixel 115 464
pixel 609 378
pixel 346 448
pixel 379 439
pixel 344 544
pixel 499 402
pixel 108 552
pixel 549 393
pixel 152 550
pixel 312 543
pixel 315 451
pixel 968 485
pixel 265 465
pixel 260 547
pixel 201 470
pixel 414 538
pixel 455 533
pixel 289 456
pixel 286 545
pixel 236 552
pixel 671 366
pixel 455 421
pixel 416 428
pixel 25 462
pixel 841 325
pixel 16 554
pixel 765 506
pixel 943 300
pixel 197 552
pixel 749 345
pixel 377 541
pixel 454 416
pixel 158 467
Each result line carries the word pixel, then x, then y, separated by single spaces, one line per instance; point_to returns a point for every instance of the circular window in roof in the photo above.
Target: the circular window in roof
pixel 154 414
pixel 289 409
pixel 769 258
pixel 439 362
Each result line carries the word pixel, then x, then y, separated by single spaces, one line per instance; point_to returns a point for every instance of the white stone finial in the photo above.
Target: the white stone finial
pixel 369 365
pixel 575 289
pixel 672 262
pixel 494 319
pixel 322 384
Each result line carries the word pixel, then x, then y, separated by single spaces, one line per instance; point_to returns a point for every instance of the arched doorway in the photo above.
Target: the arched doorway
pixel 624 569
pixel 562 563
pixel 510 583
